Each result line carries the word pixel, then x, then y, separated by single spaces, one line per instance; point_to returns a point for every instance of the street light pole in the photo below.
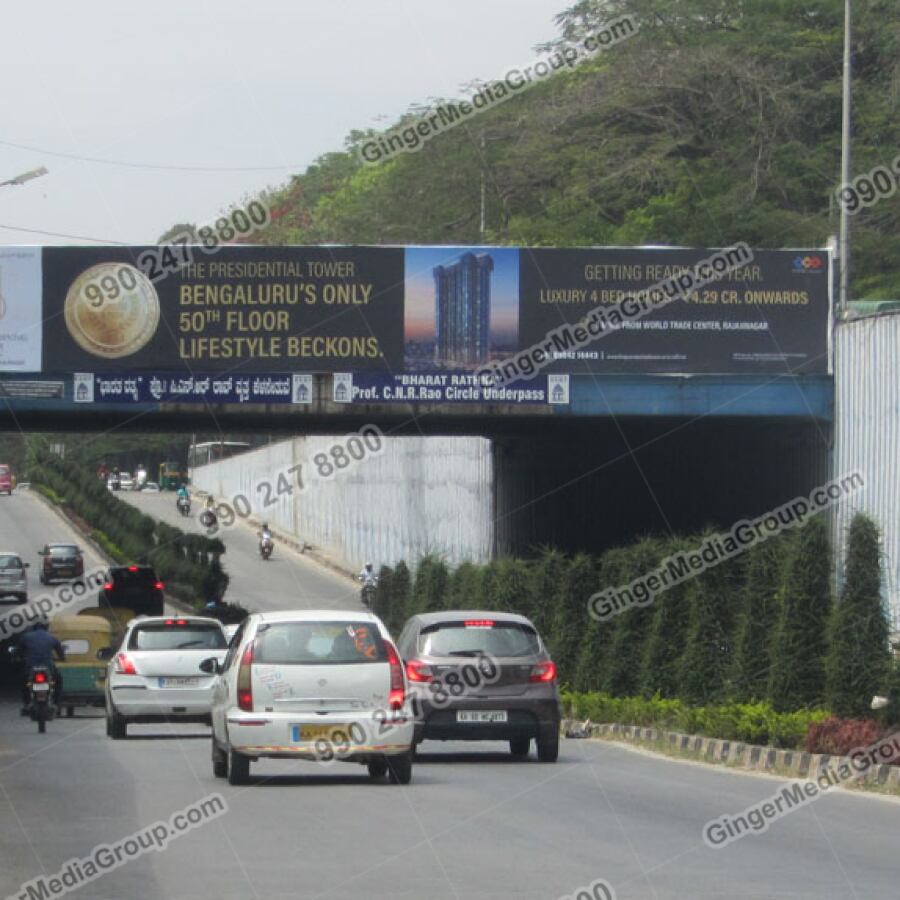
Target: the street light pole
pixel 25 176
pixel 845 165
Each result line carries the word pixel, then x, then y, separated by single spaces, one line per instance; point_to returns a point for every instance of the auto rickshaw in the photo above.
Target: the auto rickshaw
pixel 171 475
pixel 88 642
pixel 117 617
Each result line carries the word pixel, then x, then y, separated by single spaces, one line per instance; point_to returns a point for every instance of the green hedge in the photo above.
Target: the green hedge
pixel 191 561
pixel 753 723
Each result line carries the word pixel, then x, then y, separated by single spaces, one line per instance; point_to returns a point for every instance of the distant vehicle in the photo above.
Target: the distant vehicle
pixel 311 684
pixel 88 642
pixel 60 561
pixel 112 482
pixel 7 480
pixel 134 587
pixel 172 475
pixel 150 487
pixel 13 577
pixel 126 482
pixel 495 680
pixel 212 451
pixel 155 676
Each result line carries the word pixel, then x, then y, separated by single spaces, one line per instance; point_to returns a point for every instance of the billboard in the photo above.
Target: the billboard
pixel 379 314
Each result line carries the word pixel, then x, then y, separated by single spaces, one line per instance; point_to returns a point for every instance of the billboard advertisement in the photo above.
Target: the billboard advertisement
pixel 384 314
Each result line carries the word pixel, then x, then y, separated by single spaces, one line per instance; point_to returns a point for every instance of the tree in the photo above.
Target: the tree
pixel 382 603
pixel 758 619
pixel 399 607
pixel 709 649
pixel 859 662
pixel 464 588
pixel 797 676
pixel 548 572
pixel 633 628
pixel 667 638
pixel 430 585
pixel 592 671
pixel 570 619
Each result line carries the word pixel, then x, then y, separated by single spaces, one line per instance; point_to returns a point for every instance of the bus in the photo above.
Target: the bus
pixel 213 451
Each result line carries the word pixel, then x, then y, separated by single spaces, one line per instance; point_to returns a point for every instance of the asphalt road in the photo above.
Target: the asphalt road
pixel 288 580
pixel 473 823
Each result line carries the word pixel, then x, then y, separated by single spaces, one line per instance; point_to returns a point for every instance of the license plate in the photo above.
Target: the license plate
pixel 304 733
pixel 481 715
pixel 179 682
pixel 40 688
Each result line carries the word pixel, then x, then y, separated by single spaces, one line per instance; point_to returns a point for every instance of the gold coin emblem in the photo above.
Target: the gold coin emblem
pixel 112 310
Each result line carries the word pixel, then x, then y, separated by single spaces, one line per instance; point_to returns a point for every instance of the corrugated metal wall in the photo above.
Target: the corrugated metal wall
pixel 867 433
pixel 419 495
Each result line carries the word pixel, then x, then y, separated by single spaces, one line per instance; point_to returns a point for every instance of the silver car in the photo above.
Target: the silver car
pixel 13 577
pixel 319 685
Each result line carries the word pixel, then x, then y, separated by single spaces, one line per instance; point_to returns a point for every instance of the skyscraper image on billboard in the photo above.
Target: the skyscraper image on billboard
pixel 461 306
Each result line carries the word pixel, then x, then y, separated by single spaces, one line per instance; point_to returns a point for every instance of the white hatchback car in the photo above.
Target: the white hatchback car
pixel 155 675
pixel 312 684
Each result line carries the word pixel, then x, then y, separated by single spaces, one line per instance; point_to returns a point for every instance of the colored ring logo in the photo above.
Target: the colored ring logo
pixel 808 263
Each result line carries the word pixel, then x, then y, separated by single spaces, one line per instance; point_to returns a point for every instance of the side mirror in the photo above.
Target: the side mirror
pixel 106 653
pixel 210 666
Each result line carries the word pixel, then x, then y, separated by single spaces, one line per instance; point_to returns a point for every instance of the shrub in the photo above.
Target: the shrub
pixel 837 737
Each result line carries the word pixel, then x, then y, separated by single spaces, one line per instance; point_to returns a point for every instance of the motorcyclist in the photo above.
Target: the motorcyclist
pixel 38 647
pixel 264 534
pixel 367 576
pixel 182 494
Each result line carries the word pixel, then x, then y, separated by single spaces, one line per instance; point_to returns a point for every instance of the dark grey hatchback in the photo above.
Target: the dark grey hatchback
pixel 481 676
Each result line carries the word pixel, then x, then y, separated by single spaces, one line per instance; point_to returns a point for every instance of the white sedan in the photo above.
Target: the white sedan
pixel 155 675
pixel 313 684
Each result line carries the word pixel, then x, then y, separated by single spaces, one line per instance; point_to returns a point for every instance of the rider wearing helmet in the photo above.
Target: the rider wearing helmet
pixel 38 647
pixel 367 575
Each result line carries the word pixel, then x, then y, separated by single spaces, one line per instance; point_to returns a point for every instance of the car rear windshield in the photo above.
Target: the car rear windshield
pixel 177 637
pixel 318 643
pixel 63 550
pixel 8 561
pixel 476 636
pixel 125 577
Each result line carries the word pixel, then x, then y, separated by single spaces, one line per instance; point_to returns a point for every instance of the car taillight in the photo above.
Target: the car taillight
pixel 159 585
pixel 416 670
pixel 176 621
pixel 124 666
pixel 479 623
pixel 244 681
pixel 108 586
pixel 40 677
pixel 397 696
pixel 545 671
pixel 132 568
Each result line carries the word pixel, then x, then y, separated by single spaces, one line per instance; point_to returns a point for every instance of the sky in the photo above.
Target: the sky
pixel 210 102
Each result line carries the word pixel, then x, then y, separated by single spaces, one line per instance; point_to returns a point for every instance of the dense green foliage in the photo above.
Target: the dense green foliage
pixel 188 563
pixel 717 122
pixel 858 659
pixel 748 636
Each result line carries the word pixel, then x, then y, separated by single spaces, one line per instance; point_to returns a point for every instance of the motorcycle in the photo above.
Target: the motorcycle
pixel 266 546
pixel 41 687
pixel 367 593
pixel 208 518
pixel 184 505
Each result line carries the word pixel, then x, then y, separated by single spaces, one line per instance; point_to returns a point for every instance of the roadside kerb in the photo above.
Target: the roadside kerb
pixel 735 753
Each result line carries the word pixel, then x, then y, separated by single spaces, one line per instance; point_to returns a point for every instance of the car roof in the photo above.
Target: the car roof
pixel 79 623
pixel 316 615
pixel 10 553
pixel 453 615
pixel 131 568
pixel 161 620
pixel 61 544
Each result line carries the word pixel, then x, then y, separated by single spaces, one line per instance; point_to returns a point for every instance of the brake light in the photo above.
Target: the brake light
pixel 124 666
pixel 479 623
pixel 132 568
pixel 545 671
pixel 40 677
pixel 159 585
pixel 416 670
pixel 397 696
pixel 244 680
pixel 108 586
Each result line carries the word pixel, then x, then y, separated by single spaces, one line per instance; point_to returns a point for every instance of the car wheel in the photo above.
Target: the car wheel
pixel 400 768
pixel 116 726
pixel 548 747
pixel 378 767
pixel 519 746
pixel 219 761
pixel 238 768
